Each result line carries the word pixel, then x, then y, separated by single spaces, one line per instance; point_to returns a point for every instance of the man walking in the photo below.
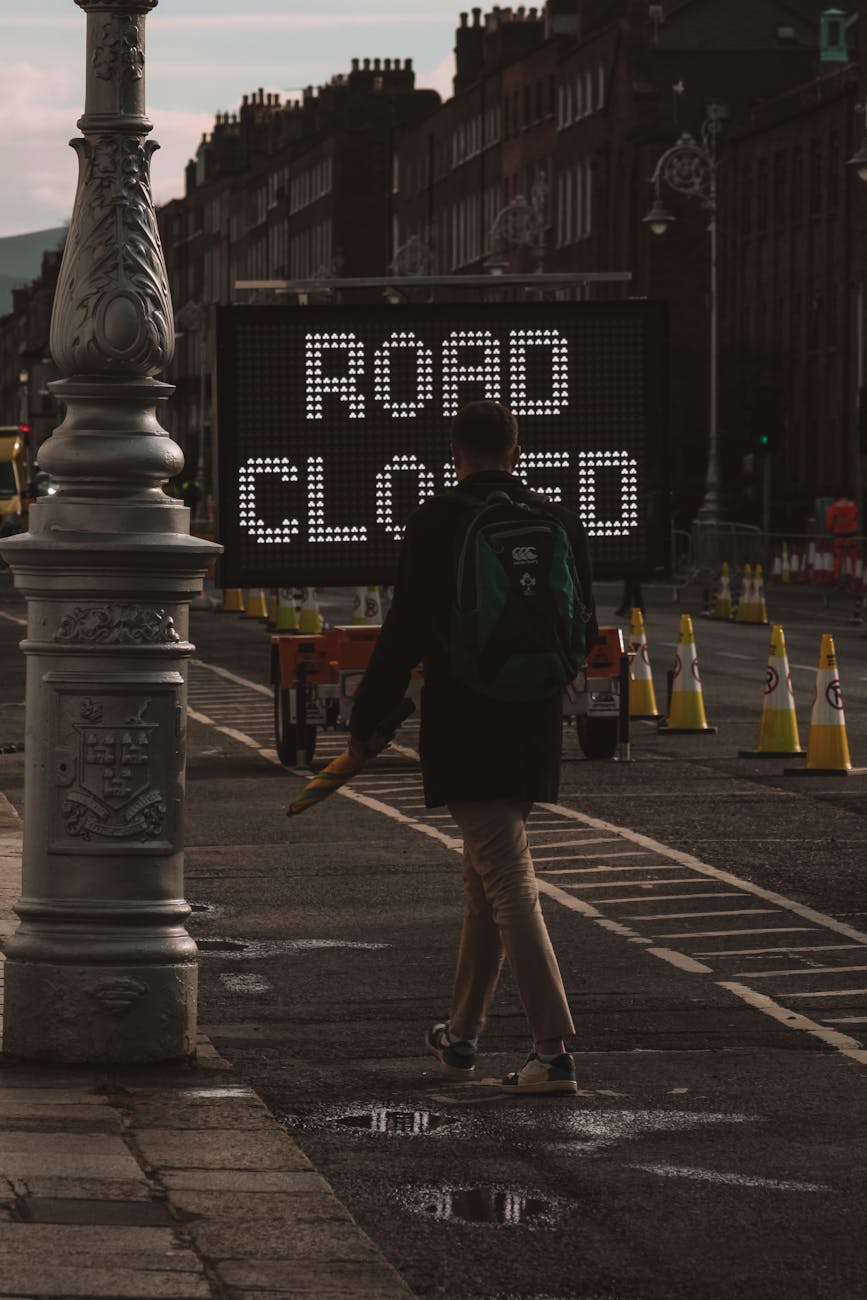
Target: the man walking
pixel 486 761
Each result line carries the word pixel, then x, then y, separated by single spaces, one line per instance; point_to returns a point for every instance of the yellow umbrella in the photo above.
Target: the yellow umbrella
pixel 345 766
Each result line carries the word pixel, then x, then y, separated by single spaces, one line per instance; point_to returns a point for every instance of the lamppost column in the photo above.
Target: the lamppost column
pixel 101 968
pixel 710 510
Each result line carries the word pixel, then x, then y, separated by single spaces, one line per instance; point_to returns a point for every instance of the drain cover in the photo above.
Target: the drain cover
pixel 382 1120
pixel 123 1214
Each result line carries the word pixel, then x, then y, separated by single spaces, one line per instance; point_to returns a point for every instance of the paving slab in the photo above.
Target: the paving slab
pixel 220 1149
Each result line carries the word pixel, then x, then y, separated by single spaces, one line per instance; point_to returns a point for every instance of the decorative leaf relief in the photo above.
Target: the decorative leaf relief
pixel 117 625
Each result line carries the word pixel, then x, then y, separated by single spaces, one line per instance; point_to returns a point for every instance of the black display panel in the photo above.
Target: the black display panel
pixel 333 425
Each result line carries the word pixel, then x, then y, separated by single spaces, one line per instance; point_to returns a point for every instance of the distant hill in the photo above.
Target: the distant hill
pixel 21 260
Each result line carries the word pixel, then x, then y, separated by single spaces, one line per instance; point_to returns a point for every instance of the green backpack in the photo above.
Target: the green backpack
pixel 518 625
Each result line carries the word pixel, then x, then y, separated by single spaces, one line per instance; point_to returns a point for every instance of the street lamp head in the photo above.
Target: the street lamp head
pixel 859 160
pixel 659 218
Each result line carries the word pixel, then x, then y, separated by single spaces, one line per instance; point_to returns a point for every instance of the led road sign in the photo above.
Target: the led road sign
pixel 333 426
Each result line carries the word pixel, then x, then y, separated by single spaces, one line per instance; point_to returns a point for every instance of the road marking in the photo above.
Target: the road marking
pixel 735 1180
pixel 845 1020
pixel 731 654
pixel 794 1020
pixel 579 844
pixel 589 857
pixel 727 893
pixel 718 934
pixel 688 860
pixel 589 871
pixel 680 960
pixel 759 952
pixel 806 668
pixel 828 993
pixel 797 970
pixel 677 916
pixel 643 884
pixel 233 677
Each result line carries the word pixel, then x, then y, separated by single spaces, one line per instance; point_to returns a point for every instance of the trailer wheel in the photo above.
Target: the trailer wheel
pixel 598 736
pixel 286 733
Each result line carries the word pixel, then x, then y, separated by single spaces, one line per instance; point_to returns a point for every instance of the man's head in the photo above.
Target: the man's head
pixel 484 435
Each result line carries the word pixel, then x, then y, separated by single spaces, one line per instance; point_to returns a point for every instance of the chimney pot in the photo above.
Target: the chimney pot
pixel 367 65
pixel 246 99
pixel 477 17
pixel 465 18
pixel 387 64
pixel 376 65
pixel 355 65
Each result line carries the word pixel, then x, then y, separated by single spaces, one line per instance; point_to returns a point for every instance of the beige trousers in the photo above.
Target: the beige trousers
pixel 502 918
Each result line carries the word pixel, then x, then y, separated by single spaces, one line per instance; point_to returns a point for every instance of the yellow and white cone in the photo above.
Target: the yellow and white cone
pixel 778 733
pixel 747 598
pixel 642 698
pixel 287 614
pixel 256 605
pixel 233 601
pixel 760 609
pixel 723 604
pixel 686 714
pixel 827 746
pixel 359 602
pixel 373 607
pixel 786 564
pixel 273 606
pixel 310 621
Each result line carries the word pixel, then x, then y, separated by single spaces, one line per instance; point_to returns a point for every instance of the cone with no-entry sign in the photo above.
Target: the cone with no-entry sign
pixel 778 734
pixel 373 607
pixel 359 601
pixel 686 713
pixel 287 614
pixel 827 746
pixel 642 698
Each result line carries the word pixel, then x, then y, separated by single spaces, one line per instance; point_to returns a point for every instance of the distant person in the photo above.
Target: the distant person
pixel 841 520
pixel 487 760
pixel 632 597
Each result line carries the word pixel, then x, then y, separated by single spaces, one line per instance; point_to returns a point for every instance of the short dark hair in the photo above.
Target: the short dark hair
pixel 485 431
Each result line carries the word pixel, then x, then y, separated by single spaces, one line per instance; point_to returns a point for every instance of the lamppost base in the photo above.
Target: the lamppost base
pixel 62 1014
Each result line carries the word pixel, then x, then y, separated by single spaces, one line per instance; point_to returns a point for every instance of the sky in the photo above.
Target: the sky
pixel 202 56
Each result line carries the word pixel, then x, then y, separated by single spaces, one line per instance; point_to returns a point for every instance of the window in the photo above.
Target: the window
pixel 506 118
pixel 588 92
pixel 579 201
pixel 539 100
pixel 815 176
pixel 600 88
pixel 552 94
pixel 835 171
pixel 588 200
pixel 796 193
pixel 762 195
pixel 779 217
pixel 746 199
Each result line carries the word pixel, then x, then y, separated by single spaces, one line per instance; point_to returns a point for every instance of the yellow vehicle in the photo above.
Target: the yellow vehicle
pixel 12 478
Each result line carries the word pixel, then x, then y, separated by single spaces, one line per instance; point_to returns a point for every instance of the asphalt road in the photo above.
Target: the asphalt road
pixel 710 917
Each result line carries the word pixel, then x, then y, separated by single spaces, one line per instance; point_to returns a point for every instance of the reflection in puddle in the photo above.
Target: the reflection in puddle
pixel 382 1120
pixel 248 948
pixel 245 983
pixel 485 1205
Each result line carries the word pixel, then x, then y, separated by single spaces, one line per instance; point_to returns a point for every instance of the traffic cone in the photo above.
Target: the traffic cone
pixel 777 567
pixel 642 699
pixel 287 614
pixel 359 603
pixel 746 599
pixel 723 603
pixel 827 746
pixel 760 609
pixel 373 608
pixel 233 601
pixel 256 604
pixel 778 733
pixel 310 621
pixel 273 607
pixel 785 565
pixel 686 712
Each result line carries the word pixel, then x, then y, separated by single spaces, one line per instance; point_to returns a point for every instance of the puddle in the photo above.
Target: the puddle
pixel 259 948
pixel 251 984
pixel 488 1205
pixel 380 1119
pixel 217 1091
pixel 209 909
pixel 590 1131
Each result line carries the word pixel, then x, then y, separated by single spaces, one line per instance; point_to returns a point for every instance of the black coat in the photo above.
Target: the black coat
pixel 472 747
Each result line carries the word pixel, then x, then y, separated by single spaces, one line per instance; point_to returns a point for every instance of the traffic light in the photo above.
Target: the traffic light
pixel 767 424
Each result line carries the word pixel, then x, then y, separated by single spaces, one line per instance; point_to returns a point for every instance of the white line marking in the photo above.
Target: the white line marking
pixel 677 916
pixel 233 677
pixel 778 952
pixel 717 934
pixel 730 654
pixel 687 860
pixel 589 857
pixel 240 736
pixel 589 871
pixel 579 844
pixel 665 898
pixel 794 1020
pixel 828 993
pixel 736 1180
pixel 797 970
pixel 845 1020
pixel 807 668
pixel 644 884
pixel 680 960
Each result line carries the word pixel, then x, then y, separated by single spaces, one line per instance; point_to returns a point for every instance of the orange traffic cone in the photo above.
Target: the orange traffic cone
pixel 642 699
pixel 686 711
pixel 723 604
pixel 778 733
pixel 827 746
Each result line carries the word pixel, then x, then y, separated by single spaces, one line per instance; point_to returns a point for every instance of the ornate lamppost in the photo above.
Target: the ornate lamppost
pixel 101 968
pixel 520 224
pixel 689 167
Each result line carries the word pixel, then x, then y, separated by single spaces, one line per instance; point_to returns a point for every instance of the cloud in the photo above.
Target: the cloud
pixel 39 107
pixel 295 22
pixel 440 78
